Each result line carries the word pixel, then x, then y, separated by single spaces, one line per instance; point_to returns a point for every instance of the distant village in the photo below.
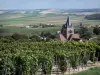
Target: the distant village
pixel 52 25
pixel 40 26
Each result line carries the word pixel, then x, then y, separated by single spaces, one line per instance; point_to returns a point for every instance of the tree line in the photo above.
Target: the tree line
pixel 93 17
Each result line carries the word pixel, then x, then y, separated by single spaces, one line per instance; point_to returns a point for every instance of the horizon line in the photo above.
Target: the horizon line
pixel 54 8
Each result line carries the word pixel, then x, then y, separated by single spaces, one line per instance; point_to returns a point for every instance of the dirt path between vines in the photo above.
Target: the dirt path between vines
pixel 79 69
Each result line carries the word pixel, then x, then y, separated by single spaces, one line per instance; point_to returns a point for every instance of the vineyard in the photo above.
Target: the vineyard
pixel 27 58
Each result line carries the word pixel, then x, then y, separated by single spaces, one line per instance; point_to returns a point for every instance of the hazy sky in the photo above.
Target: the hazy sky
pixel 43 4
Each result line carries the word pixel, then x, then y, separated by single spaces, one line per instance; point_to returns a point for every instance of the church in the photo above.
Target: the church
pixel 67 32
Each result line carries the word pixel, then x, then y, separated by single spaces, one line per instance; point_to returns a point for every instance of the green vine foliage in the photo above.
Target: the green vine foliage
pixel 26 58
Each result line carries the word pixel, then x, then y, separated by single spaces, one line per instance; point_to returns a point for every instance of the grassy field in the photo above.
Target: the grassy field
pixel 58 20
pixel 29 31
pixel 92 71
pixel 43 16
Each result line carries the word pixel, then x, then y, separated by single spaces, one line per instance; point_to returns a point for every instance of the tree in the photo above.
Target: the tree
pixel 1 25
pixel 84 33
pixel 3 31
pixel 96 30
pixel 48 35
pixel 42 34
pixel 48 39
pixel 35 38
pixel 18 36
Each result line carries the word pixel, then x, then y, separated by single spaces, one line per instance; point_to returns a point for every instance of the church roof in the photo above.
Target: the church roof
pixel 61 37
pixel 74 36
pixel 71 37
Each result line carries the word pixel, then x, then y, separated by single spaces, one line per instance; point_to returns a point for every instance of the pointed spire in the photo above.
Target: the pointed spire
pixel 67 22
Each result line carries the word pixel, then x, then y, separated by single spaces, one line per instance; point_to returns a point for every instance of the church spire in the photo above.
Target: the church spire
pixel 67 29
pixel 67 22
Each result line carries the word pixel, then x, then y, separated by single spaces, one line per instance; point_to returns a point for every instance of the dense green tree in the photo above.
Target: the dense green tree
pixel 3 31
pixel 1 25
pixel 84 33
pixel 35 38
pixel 18 36
pixel 96 30
pixel 48 35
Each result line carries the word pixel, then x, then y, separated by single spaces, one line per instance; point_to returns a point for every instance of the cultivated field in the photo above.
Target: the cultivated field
pixel 14 20
pixel 58 17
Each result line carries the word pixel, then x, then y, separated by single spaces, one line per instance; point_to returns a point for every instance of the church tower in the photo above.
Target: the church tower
pixel 67 29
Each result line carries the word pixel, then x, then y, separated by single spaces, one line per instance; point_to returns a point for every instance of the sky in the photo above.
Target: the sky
pixel 51 4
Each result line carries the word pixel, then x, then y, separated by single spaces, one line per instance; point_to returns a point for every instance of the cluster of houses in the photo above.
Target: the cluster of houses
pixel 40 26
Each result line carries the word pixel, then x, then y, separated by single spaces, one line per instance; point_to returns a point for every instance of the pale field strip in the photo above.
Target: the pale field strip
pixel 12 17
pixel 1 12
pixel 48 11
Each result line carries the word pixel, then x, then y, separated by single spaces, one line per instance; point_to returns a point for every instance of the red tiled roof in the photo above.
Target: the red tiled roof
pixel 71 37
pixel 61 37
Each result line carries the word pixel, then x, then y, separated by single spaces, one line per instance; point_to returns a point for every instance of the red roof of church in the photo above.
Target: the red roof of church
pixel 74 36
pixel 61 37
pixel 71 37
